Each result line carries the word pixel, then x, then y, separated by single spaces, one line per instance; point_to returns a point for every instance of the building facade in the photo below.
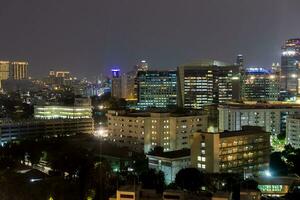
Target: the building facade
pixel 207 82
pixel 35 129
pixel 293 130
pixel 157 89
pixel 290 74
pixel 246 151
pixel 4 71
pixel 81 109
pixel 144 131
pixel 18 70
pixel 270 116
pixel 170 163
pixel 259 84
pixel 116 83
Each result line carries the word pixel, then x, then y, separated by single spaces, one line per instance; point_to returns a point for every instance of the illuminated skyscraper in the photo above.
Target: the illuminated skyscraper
pixel 4 71
pixel 207 82
pixel 157 89
pixel 260 84
pixel 240 60
pixel 116 83
pixel 290 72
pixel 18 70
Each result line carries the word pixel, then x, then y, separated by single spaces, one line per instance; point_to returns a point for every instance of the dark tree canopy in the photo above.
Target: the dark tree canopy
pixel 190 179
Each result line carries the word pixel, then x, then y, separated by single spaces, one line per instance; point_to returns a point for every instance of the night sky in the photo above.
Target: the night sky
pixel 90 36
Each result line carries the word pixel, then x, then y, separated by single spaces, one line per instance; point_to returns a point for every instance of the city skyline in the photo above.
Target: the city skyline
pixel 88 39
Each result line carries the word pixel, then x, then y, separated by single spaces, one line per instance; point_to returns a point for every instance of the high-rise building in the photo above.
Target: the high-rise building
pixel 260 84
pixel 290 73
pixel 18 70
pixel 4 71
pixel 207 82
pixel 240 60
pixel 116 83
pixel 157 89
pixel 246 151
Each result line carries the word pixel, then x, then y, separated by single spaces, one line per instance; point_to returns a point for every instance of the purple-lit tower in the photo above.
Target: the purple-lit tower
pixel 116 83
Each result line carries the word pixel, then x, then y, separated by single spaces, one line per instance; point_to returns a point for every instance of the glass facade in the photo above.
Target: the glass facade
pixel 157 89
pixel 290 66
pixel 259 84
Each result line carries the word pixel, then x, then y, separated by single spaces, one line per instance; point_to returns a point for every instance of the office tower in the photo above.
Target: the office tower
pixel 18 70
pixel 207 82
pixel 246 151
pixel 129 90
pixel 290 75
pixel 142 66
pixel 4 71
pixel 116 83
pixel 260 84
pixel 270 116
pixel 144 131
pixel 240 60
pixel 157 89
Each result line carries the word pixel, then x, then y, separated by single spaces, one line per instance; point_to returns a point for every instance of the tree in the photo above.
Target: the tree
pixel 153 180
pixel 277 165
pixel 190 179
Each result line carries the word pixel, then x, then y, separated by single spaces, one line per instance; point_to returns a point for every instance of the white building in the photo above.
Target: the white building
pixel 271 116
pixel 293 131
pixel 170 163
pixel 144 131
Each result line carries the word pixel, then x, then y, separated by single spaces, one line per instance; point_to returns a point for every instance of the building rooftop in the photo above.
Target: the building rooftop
pixel 173 154
pixel 247 130
pixel 205 63
pixel 259 105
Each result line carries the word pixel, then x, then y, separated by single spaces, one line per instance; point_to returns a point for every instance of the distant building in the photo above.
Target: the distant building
pixel 260 84
pixel 157 89
pixel 81 109
pixel 207 82
pixel 240 60
pixel 246 151
pixel 59 78
pixel 170 163
pixel 293 131
pixel 116 83
pixel 144 131
pixel 290 73
pixel 271 116
pixel 4 71
pixel 18 70
pixel 38 129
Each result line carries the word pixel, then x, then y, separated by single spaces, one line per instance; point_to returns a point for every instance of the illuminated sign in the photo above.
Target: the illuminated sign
pixel 271 188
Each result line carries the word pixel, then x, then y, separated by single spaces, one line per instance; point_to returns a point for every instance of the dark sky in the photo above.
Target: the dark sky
pixel 90 36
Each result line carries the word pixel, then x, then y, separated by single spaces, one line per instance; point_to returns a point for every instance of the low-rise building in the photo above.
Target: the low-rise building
pixel 81 109
pixel 170 163
pixel 12 131
pixel 271 116
pixel 277 186
pixel 246 151
pixel 144 131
